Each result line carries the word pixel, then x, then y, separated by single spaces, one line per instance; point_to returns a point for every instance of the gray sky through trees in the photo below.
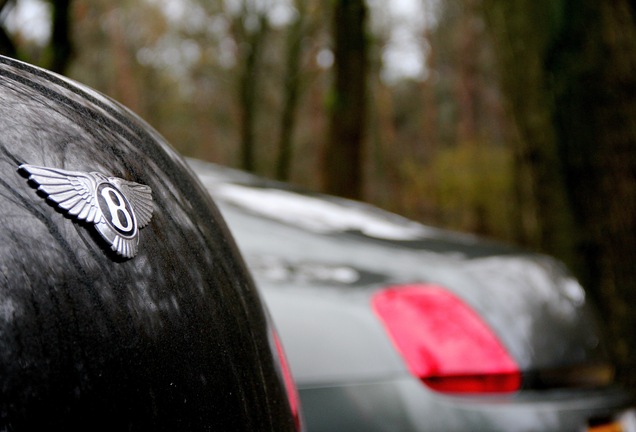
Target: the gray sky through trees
pixel 403 56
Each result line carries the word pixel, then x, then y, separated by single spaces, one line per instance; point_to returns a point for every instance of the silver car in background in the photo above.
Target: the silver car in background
pixel 391 325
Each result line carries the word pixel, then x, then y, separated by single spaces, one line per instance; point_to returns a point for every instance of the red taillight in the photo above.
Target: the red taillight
pixel 444 342
pixel 290 385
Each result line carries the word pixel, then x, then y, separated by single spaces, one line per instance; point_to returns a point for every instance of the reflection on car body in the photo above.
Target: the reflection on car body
pixel 165 332
pixel 391 325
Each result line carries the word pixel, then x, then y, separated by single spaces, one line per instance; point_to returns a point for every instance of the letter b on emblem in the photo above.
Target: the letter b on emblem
pixel 116 209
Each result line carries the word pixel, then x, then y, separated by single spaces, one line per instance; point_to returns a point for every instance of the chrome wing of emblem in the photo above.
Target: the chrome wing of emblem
pixel 117 208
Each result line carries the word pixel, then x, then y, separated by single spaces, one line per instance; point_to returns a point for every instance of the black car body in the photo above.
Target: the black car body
pixel 391 325
pixel 165 334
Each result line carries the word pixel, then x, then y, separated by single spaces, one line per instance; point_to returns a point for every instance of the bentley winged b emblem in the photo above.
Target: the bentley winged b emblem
pixel 117 208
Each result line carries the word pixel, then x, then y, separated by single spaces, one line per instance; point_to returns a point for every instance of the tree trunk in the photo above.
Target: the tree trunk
pixel 593 70
pixel 61 46
pixel 522 43
pixel 572 89
pixel 248 88
pixel 292 90
pixel 343 153
pixel 7 46
pixel 468 82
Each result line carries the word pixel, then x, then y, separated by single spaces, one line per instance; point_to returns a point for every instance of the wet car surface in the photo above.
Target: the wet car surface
pixel 166 332
pixel 391 325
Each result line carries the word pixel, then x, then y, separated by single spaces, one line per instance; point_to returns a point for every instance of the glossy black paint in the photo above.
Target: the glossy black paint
pixel 173 339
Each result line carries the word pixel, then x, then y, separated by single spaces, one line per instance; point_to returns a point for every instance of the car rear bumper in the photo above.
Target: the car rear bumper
pixel 406 405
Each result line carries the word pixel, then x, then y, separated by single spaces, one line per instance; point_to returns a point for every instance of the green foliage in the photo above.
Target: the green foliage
pixel 470 185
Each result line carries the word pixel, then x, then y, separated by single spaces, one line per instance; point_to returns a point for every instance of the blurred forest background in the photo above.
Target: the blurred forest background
pixel 514 120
